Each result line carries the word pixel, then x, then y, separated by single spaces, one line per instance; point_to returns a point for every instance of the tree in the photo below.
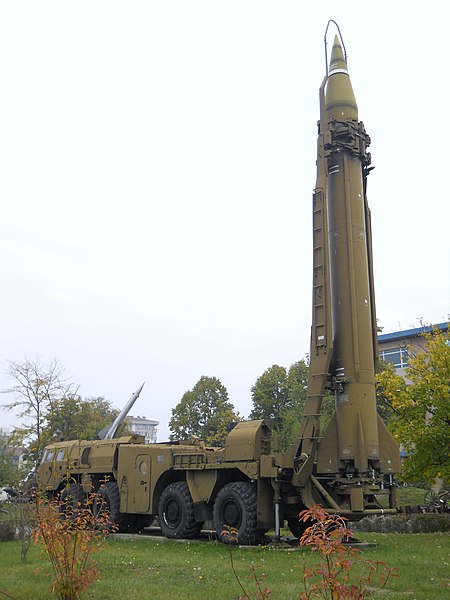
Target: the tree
pixel 420 409
pixel 291 414
pixel 51 407
pixel 8 471
pixel 205 411
pixel 270 396
pixel 37 390
pixel 281 397
pixel 383 408
pixel 73 417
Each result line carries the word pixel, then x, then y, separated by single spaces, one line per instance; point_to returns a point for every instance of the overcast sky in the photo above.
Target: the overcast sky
pixel 158 161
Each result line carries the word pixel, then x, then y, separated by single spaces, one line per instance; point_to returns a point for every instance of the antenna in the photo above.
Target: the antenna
pixel 325 43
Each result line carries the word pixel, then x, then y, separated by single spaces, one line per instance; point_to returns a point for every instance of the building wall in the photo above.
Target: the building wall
pixel 396 347
pixel 144 427
pixel 15 453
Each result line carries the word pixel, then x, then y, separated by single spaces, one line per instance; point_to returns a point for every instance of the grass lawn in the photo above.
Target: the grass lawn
pixel 407 496
pixel 137 569
pixel 411 496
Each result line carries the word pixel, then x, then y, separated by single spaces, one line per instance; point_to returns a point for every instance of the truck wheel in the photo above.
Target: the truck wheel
pixel 137 523
pixel 297 528
pixel 235 506
pixel 176 512
pixel 106 507
pixel 71 501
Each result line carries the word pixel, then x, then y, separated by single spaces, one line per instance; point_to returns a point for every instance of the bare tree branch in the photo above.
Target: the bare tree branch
pixel 37 390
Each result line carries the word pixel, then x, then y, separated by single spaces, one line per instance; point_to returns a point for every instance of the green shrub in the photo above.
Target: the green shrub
pixel 6 531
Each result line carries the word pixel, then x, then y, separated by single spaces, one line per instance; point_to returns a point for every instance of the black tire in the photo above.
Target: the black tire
pixel 72 501
pixel 145 521
pixel 235 506
pixel 176 512
pixel 106 508
pixel 297 528
pixel 137 523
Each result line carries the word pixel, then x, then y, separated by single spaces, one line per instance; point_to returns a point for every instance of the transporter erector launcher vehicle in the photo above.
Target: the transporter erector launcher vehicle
pixel 249 484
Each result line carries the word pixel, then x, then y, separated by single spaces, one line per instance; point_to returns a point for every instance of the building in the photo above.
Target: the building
pixel 16 454
pixel 143 426
pixel 396 347
pixel 5 434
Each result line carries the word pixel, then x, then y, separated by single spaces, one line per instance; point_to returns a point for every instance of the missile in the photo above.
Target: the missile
pixel 356 435
pixel 344 349
pixel 110 431
pixel 353 360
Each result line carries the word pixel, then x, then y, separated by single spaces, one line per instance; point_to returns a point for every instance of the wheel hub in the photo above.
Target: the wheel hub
pixel 232 515
pixel 172 513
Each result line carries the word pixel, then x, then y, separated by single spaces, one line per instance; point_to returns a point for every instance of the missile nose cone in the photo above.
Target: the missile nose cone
pixel 337 60
pixel 340 100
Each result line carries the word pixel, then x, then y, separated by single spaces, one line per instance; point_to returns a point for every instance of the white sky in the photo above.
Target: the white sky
pixel 158 161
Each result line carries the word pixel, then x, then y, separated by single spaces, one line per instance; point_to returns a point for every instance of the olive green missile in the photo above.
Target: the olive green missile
pixel 362 441
pixel 353 360
pixel 344 348
pixel 340 100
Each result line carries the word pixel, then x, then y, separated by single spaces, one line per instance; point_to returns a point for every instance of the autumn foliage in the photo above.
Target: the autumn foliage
pixel 340 573
pixel 71 533
pixel 420 408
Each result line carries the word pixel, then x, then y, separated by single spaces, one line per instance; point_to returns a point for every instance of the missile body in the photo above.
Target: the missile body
pixel 353 360
pixel 354 460
pixel 109 432
pixel 344 333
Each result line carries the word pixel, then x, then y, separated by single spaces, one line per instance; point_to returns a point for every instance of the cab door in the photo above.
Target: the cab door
pixel 140 488
pixel 134 474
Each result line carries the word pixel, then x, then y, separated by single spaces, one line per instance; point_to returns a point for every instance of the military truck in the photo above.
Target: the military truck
pixel 249 484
